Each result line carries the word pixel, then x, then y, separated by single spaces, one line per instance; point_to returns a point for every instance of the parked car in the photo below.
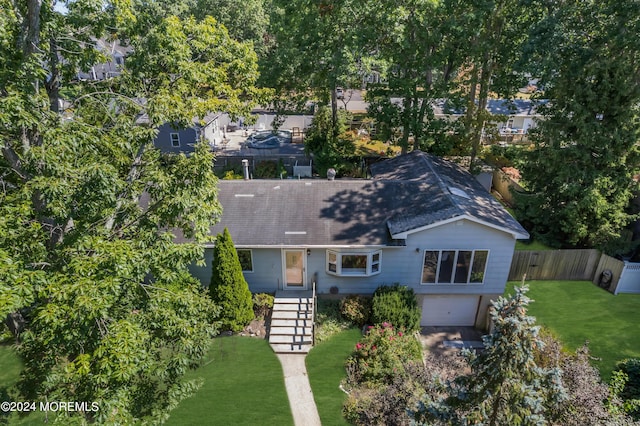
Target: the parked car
pixel 339 93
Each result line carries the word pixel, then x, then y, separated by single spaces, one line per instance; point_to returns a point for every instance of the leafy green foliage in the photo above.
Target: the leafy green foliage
pixel 245 20
pixel 580 175
pixel 329 322
pixel 88 207
pixel 228 288
pixel 269 170
pixel 381 354
pixel 626 385
pixel 631 367
pixel 262 304
pixel 396 305
pixel 356 308
pixel 329 150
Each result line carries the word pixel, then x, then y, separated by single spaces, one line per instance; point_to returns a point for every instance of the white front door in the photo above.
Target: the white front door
pixel 295 266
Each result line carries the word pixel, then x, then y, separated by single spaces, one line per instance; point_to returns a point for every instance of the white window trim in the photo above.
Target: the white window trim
pixel 177 139
pixel 251 256
pixel 455 262
pixel 338 263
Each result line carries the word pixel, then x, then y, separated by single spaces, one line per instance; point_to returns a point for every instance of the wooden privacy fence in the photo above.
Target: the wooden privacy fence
pixel 554 264
pixel 584 265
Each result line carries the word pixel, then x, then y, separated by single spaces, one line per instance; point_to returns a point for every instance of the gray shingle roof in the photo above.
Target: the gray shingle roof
pixel 446 192
pixel 406 193
pixel 514 107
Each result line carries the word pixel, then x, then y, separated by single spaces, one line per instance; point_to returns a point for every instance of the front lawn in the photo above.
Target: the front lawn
pixel 325 367
pixel 243 385
pixel 577 311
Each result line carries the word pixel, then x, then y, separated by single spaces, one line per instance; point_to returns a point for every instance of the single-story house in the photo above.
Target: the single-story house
pixel 520 114
pixel 420 221
pixel 176 139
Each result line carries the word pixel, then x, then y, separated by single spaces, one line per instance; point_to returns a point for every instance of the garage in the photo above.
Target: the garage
pixel 449 310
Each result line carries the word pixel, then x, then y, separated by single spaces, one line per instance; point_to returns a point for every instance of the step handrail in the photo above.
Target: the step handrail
pixel 313 313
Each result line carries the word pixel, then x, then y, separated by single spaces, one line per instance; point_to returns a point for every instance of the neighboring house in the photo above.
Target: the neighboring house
pixel 115 54
pixel 420 221
pixel 174 139
pixel 520 115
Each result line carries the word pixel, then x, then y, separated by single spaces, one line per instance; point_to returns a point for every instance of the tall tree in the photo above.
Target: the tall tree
pixel 228 288
pixel 579 177
pixel 88 207
pixel 246 20
pixel 494 35
pixel 419 43
pixel 505 385
pixel 316 49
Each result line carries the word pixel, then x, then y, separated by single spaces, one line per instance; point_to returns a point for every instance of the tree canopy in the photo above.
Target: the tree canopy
pixel 89 208
pixel 579 177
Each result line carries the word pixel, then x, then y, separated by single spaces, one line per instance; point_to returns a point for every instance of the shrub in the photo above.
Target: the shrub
pixel 356 309
pixel 262 303
pixel 631 367
pixel 231 175
pixel 629 371
pixel 389 404
pixel 228 289
pixel 328 319
pixel 269 170
pixel 397 305
pixel 381 355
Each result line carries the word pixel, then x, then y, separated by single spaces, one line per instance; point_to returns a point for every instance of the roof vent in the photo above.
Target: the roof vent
pixel 459 192
pixel 245 169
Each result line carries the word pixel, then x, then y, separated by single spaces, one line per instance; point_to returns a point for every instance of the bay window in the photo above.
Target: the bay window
pixel 353 264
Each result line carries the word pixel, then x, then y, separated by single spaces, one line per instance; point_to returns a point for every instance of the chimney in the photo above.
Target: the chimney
pixel 245 169
pixel 331 174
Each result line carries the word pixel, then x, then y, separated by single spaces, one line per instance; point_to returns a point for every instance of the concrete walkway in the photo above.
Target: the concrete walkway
pixel 296 381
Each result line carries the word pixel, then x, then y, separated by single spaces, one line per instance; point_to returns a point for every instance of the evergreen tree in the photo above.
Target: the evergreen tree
pixel 579 177
pixel 228 288
pixel 505 385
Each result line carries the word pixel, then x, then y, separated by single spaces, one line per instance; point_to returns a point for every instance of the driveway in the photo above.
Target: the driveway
pixel 449 340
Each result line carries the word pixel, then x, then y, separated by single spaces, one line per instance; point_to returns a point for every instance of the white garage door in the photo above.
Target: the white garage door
pixel 449 310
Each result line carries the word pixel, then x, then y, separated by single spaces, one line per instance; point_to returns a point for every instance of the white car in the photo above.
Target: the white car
pixel 339 93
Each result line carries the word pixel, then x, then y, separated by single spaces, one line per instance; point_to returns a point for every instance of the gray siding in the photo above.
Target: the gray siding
pixel 188 139
pixel 399 264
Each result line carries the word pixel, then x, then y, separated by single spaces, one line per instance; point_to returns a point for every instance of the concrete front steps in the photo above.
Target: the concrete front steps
pixel 291 329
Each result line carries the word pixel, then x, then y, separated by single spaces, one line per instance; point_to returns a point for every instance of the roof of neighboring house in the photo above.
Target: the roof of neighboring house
pixel 197 122
pixel 407 194
pixel 513 107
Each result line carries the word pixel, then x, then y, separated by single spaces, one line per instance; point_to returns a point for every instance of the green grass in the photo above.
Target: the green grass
pixel 243 385
pixel 325 367
pixel 10 367
pixel 577 311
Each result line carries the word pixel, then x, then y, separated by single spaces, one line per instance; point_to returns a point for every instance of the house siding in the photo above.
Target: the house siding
pixel 188 139
pixel 398 265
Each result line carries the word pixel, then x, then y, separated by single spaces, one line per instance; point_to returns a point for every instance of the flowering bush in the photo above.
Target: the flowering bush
pixel 381 355
pixel 356 309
